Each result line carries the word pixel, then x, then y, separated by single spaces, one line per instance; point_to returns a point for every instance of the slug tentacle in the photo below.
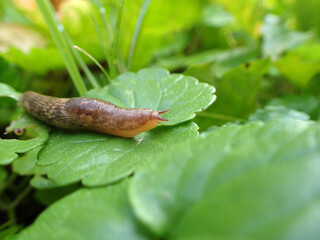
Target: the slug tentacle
pixel 83 113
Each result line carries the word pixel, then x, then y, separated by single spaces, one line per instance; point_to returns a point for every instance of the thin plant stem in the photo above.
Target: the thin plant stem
pixel 56 30
pixel 137 30
pixel 218 116
pixel 10 180
pixel 116 35
pixel 12 215
pixel 5 225
pixel 108 55
pixel 83 65
pixel 105 48
pixel 21 196
pixel 95 61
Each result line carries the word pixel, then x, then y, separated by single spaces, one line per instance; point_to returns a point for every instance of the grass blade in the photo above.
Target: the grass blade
pixel 137 30
pixel 83 65
pixel 95 61
pixel 115 50
pixel 108 54
pixel 56 31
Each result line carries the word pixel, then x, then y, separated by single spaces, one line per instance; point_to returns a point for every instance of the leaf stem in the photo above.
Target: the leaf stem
pixel 84 67
pixel 94 60
pixel 21 196
pixel 56 30
pixel 217 116
pixel 137 30
pixel 108 52
pixel 116 36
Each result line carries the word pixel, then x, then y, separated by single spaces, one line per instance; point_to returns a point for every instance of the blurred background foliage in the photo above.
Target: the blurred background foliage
pixel 256 53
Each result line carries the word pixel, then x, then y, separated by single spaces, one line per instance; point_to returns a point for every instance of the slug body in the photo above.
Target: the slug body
pixel 92 114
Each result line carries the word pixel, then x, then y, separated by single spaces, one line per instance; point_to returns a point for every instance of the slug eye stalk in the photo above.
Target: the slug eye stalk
pixel 155 115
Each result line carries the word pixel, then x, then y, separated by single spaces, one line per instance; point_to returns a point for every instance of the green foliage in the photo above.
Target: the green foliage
pixel 239 160
pixel 98 159
pixel 91 213
pixel 35 133
pixel 235 182
pixel 278 39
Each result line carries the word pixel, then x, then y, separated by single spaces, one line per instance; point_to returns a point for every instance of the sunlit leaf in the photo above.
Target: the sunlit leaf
pixel 253 181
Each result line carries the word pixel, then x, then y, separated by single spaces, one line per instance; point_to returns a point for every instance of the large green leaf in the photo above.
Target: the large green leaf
pixel 158 90
pixel 98 159
pixel 255 181
pixel 101 213
pixel 35 135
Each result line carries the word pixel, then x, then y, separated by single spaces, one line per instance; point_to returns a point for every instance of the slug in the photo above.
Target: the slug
pixel 81 113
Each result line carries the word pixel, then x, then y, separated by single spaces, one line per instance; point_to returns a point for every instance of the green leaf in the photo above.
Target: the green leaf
pixel 216 16
pixel 36 134
pixel 40 182
pixel 9 76
pixel 225 60
pixel 278 39
pixel 98 159
pixel 270 113
pixel 248 14
pixel 300 65
pixel 158 90
pixel 237 93
pixel 254 181
pixel 100 213
pixel 9 232
pixel 156 31
pixel 50 195
pixel 26 164
pixel 7 91
pixel 303 103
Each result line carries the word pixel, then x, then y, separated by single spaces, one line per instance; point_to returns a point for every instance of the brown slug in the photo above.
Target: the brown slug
pixel 81 113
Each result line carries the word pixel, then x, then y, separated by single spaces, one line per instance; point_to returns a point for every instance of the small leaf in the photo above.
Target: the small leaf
pixel 300 64
pixel 278 39
pixel 216 16
pixel 270 113
pixel 26 164
pixel 8 75
pixel 237 94
pixel 100 213
pixel 225 60
pixel 40 182
pixel 35 132
pixel 253 181
pixel 7 91
pixel 303 103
